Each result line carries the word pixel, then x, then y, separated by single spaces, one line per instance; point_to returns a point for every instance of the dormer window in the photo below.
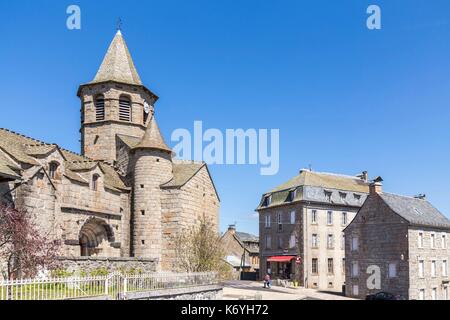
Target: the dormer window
pixel 100 108
pixel 95 180
pixel 267 201
pixel 292 195
pixel 343 196
pixel 52 169
pixel 328 195
pixel 125 109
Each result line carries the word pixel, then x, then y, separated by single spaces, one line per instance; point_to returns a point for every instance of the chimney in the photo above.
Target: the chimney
pixel 421 196
pixel 376 186
pixel 364 176
pixel 232 228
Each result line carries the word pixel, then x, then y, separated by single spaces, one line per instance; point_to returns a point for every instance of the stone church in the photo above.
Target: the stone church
pixel 125 195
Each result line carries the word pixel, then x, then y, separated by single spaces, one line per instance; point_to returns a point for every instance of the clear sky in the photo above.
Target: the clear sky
pixel 345 99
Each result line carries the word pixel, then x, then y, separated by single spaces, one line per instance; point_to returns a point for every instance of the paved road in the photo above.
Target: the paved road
pixel 248 290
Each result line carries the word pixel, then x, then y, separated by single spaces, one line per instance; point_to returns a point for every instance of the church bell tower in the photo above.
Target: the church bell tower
pixel 114 103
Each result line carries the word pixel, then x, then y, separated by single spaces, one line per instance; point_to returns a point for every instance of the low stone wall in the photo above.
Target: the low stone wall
pixel 87 265
pixel 212 292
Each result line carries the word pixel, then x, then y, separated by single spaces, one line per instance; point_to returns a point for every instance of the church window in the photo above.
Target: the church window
pixel 100 108
pixel 52 170
pixel 95 179
pixel 125 109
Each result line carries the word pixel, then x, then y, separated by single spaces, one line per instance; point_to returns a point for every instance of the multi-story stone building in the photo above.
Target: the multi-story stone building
pixel 398 245
pixel 301 227
pixel 125 195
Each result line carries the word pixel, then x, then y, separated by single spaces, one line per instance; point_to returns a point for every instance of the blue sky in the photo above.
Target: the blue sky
pixel 345 99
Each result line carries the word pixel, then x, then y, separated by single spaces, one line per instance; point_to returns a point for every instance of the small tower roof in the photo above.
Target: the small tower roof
pixel 152 138
pixel 118 64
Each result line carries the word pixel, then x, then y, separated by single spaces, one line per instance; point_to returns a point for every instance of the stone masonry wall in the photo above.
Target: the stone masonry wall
pixel 383 239
pixel 184 208
pixel 88 265
pixel 152 168
pixel 439 253
pixel 99 138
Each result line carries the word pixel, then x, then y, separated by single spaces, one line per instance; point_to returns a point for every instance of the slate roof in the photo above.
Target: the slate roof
pixel 8 169
pixel 247 237
pixel 152 138
pixel 325 180
pixel 311 186
pixel 118 64
pixel 417 212
pixel 23 149
pixel 183 172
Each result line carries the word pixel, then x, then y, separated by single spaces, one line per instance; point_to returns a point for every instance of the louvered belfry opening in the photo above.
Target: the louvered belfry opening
pixel 100 108
pixel 125 109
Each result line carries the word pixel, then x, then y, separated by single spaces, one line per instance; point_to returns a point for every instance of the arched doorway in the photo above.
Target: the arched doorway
pixel 95 237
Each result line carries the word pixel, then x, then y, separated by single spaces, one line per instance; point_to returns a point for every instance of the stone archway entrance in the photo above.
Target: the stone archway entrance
pixel 95 237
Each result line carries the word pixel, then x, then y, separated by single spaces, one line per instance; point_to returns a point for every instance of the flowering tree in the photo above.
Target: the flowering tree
pixel 22 248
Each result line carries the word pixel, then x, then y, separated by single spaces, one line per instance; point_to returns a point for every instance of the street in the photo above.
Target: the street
pixel 251 290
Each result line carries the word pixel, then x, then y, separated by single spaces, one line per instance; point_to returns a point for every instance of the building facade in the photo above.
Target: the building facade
pixel 241 251
pixel 125 195
pixel 398 245
pixel 301 227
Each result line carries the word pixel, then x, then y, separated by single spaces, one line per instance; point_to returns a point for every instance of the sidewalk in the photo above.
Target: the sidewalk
pixel 248 290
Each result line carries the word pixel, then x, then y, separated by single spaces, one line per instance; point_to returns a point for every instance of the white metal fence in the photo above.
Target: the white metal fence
pixel 113 286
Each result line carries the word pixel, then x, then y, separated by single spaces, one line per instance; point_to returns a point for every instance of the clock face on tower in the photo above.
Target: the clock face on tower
pixel 146 107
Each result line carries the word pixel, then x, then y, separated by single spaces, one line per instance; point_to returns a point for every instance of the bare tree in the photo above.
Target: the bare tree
pixel 22 247
pixel 199 249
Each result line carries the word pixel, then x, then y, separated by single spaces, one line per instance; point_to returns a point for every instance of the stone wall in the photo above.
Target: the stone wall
pixel 382 239
pixel 302 230
pixel 213 292
pixel 325 280
pixel 441 252
pixel 183 208
pixel 282 235
pixel 124 265
pixel 152 168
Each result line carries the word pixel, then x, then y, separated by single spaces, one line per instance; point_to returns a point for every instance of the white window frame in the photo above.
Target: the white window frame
pixel 434 293
pixel 433 268
pixel 268 220
pixel 280 221
pixel 314 216
pixel 293 218
pixel 420 237
pixel 317 266
pixel 444 241
pixel 315 240
pixel 445 268
pixel 421 294
pixel 344 218
pixel 330 241
pixel 421 267
pixel 330 218
pixel 433 240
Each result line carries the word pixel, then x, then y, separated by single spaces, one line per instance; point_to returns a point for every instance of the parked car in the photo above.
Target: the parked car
pixel 384 296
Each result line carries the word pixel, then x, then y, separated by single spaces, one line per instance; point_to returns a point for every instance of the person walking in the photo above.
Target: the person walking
pixel 267 281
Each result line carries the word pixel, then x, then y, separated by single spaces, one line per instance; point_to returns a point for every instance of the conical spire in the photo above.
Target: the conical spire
pixel 152 138
pixel 118 64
